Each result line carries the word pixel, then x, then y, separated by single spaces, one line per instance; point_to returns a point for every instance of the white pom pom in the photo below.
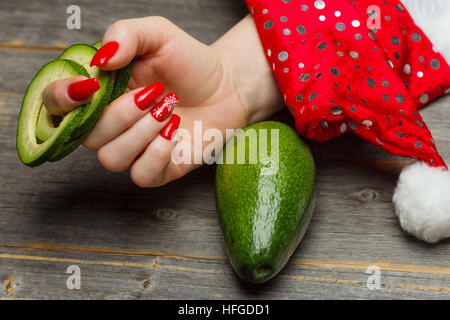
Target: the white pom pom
pixel 422 201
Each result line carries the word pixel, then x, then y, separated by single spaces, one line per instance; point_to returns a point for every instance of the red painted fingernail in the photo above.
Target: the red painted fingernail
pixel 170 127
pixel 82 90
pixel 165 107
pixel 147 97
pixel 105 53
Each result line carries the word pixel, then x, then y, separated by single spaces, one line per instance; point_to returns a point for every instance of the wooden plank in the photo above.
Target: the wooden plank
pixel 116 277
pixel 32 22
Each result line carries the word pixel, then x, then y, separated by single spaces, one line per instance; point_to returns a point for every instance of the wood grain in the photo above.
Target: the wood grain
pixel 166 243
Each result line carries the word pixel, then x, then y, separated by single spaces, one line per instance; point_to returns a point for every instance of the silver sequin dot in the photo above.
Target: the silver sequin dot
pixel 418 144
pixel 353 125
pixel 420 74
pixel 356 23
pixel 283 19
pixel 385 83
pixel 400 98
pixel 371 82
pixel 354 54
pixel 407 69
pixel 340 26
pixel 268 24
pixel 343 128
pixel 399 8
pixel 304 77
pixel 286 70
pixel 301 29
pixel 424 98
pixel 304 7
pixel 372 36
pixel 334 71
pixel 322 46
pixel 301 65
pixel 313 96
pixel 367 123
pixel 385 97
pixel 319 4
pixel 299 98
pixel 352 108
pixel 390 63
pixel 435 64
pixel 287 31
pixel 395 41
pixel 416 36
pixel 283 56
pixel 420 124
pixel 336 110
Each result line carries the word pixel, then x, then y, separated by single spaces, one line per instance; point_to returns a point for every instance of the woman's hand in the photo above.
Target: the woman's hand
pixel 226 85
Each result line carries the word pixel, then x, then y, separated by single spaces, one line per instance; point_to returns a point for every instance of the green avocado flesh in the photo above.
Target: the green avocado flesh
pixel 54 140
pixel 265 204
pixel 33 152
pixel 83 54
pixel 122 77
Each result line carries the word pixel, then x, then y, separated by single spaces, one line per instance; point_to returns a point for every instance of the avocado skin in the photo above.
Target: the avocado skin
pixel 264 218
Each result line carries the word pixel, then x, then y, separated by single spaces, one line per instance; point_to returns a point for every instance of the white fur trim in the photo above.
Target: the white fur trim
pixel 422 201
pixel 433 17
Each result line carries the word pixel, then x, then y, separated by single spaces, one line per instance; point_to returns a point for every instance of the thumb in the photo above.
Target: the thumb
pixel 126 39
pixel 62 96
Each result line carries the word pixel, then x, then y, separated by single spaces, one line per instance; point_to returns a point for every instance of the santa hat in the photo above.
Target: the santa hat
pixel 364 66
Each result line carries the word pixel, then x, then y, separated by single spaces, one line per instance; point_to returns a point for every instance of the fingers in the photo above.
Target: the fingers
pixel 62 96
pixel 120 153
pixel 125 111
pixel 149 170
pixel 126 39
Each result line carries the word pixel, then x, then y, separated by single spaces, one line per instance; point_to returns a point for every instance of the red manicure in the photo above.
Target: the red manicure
pixel 170 127
pixel 82 90
pixel 105 53
pixel 147 97
pixel 165 107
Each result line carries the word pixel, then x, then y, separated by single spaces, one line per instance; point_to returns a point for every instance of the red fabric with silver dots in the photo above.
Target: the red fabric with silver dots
pixel 337 75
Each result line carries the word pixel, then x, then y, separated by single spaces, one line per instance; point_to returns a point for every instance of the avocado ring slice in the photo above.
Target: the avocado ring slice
pixel 31 150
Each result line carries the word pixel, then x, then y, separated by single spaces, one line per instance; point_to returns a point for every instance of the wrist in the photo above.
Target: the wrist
pixel 251 75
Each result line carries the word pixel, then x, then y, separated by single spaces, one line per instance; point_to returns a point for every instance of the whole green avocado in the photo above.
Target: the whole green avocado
pixel 264 206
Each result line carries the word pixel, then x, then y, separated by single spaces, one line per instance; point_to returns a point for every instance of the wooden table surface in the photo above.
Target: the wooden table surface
pixel 166 243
